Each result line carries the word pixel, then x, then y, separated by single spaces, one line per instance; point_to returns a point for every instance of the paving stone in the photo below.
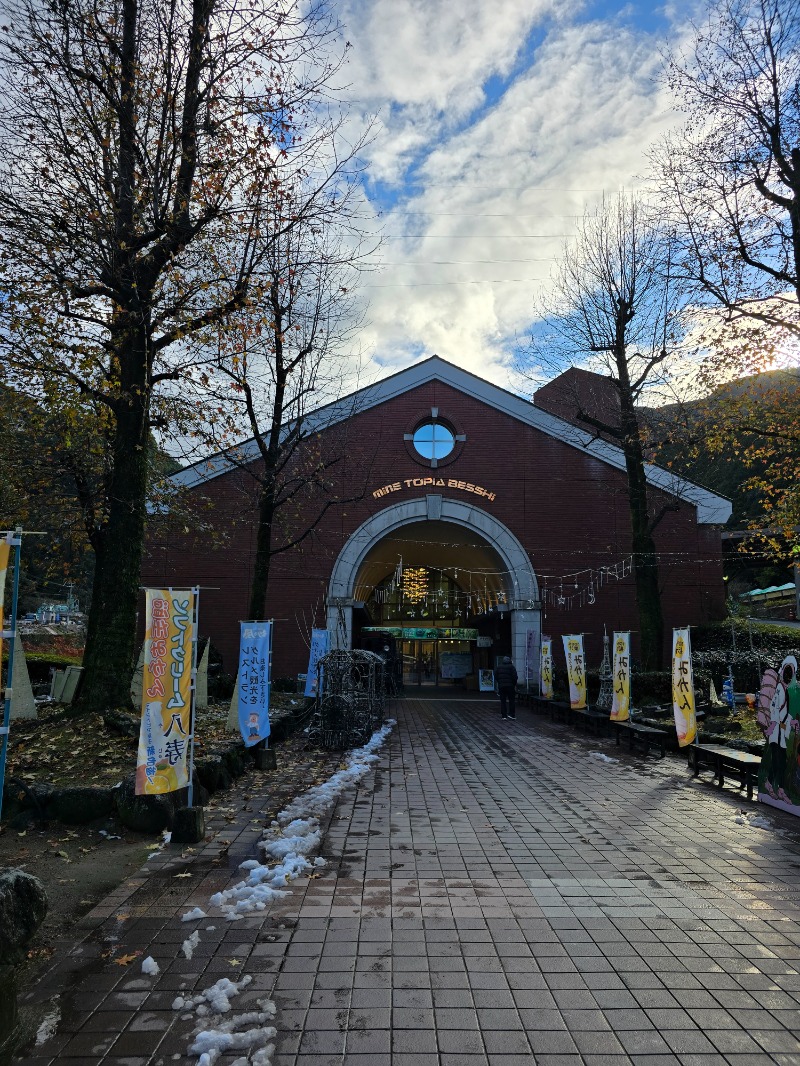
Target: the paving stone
pixel 492 896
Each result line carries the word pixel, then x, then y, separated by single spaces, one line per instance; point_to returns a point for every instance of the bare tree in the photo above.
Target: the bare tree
pixel 612 306
pixel 140 142
pixel 273 371
pixel 730 177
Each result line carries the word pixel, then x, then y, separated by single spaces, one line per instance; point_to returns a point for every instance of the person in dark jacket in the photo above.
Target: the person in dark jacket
pixel 505 677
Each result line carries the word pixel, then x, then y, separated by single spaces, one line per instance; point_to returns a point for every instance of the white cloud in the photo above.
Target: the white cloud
pixel 573 121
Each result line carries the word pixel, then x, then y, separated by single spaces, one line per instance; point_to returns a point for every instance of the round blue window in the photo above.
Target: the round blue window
pixel 433 440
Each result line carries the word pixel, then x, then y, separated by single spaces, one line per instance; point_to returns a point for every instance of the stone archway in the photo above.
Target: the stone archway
pixel 523 592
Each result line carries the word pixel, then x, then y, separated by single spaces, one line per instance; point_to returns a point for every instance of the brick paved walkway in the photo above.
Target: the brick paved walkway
pixel 494 895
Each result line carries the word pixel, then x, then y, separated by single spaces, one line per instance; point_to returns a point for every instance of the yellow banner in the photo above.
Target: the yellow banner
pixel 576 670
pixel 5 552
pixel 621 700
pixel 164 736
pixel 683 687
pixel 546 669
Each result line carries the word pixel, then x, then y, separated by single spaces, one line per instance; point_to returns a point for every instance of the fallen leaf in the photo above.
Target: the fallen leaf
pixel 63 855
pixel 23 833
pixel 235 962
pixel 126 960
pixel 183 875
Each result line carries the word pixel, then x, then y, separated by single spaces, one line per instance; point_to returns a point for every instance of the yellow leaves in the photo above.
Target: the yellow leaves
pixel 126 960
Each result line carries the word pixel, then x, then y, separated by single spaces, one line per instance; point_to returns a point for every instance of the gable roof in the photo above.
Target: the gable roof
pixel 711 507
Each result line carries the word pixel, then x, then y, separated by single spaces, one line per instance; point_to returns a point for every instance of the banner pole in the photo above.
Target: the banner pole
pixel 269 675
pixel 15 540
pixel 193 709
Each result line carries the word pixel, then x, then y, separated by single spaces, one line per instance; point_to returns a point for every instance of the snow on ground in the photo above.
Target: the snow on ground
pixel 601 757
pixel 150 967
pixel 48 1026
pixel 293 836
pixel 194 915
pixel 188 946
pixel 753 821
pixel 289 842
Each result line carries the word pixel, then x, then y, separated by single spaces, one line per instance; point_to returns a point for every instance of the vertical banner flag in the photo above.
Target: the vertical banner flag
pixel 254 677
pixel 621 698
pixel 546 669
pixel 5 552
pixel 320 645
pixel 530 654
pixel 683 687
pixel 576 670
pixel 167 722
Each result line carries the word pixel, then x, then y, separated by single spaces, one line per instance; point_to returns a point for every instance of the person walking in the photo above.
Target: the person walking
pixel 505 677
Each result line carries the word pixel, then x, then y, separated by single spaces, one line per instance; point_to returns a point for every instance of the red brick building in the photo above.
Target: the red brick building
pixel 475 521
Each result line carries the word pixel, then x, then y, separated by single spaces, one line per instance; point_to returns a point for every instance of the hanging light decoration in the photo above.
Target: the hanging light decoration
pixel 415 584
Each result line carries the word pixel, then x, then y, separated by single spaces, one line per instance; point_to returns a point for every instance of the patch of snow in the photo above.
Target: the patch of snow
pixel 150 967
pixel 210 928
pixel 250 1032
pixel 601 757
pixel 48 1027
pixel 217 997
pixel 194 915
pixel 754 821
pixel 293 836
pixel 189 945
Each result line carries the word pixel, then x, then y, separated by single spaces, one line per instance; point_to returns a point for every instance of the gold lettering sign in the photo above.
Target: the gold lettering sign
pixel 433 482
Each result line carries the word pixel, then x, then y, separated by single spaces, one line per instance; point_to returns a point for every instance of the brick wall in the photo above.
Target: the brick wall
pixel 568 510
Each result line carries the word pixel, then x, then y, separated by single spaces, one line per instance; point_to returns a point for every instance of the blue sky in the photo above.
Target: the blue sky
pixel 498 125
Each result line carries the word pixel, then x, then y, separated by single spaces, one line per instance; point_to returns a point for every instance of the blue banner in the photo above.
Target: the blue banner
pixel 320 645
pixel 254 676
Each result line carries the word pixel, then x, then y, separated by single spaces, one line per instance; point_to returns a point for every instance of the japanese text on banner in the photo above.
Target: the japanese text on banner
pixel 546 669
pixel 320 645
pixel 621 698
pixel 254 680
pixel 683 687
pixel 576 670
pixel 166 725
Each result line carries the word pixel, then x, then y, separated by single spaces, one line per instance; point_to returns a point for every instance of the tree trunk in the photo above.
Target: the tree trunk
pixel 110 649
pixel 645 559
pixel 258 588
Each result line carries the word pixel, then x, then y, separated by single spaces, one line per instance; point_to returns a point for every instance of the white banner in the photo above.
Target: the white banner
pixel 621 700
pixel 576 670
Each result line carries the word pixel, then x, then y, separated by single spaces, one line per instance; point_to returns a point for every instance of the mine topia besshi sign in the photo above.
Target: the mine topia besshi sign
pixel 433 482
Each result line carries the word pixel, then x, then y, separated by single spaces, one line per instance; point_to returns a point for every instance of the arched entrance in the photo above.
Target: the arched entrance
pixel 449 536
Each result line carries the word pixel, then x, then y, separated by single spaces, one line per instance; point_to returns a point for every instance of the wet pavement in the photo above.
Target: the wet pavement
pixel 495 894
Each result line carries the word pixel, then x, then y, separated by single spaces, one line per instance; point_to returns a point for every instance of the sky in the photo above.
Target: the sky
pixel 498 123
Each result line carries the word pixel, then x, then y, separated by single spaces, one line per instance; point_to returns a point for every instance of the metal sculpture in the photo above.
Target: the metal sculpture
pixel 352 695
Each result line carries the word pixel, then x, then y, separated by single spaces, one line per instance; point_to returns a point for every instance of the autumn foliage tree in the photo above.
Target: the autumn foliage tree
pixel 728 179
pixel 141 141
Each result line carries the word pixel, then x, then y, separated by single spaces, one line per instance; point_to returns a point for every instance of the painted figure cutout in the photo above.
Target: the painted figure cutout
pixel 779 719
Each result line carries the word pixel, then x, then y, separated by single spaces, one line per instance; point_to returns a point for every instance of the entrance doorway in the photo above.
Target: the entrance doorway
pixel 420 662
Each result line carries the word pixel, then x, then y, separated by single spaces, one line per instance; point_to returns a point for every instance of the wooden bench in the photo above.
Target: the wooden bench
pixel 645 737
pixel 720 759
pixel 589 721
